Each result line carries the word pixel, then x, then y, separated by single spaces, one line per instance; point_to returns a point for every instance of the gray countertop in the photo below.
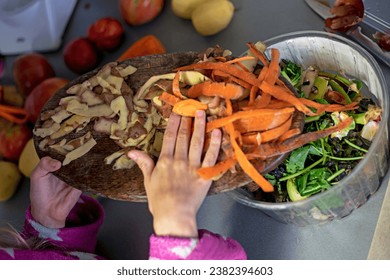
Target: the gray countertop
pixel 128 225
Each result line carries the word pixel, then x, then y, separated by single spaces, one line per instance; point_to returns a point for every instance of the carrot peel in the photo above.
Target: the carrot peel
pixel 188 107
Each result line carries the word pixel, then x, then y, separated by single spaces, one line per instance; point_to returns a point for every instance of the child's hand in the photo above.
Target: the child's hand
pixel 175 191
pixel 51 199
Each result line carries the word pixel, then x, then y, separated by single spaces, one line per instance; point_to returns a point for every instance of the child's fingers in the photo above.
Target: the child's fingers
pixel 46 165
pixel 183 138
pixel 197 139
pixel 212 152
pixel 144 162
pixel 169 140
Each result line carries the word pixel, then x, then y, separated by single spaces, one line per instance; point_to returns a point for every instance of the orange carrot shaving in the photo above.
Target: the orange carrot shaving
pixel 229 107
pixel 321 108
pixel 273 69
pixel 282 94
pixel 217 170
pixel 252 138
pixel 239 59
pixel 265 115
pixel 13 114
pixel 258 54
pixel 254 89
pixel 276 132
pixel 263 101
pixel 169 98
pixel 209 88
pixel 268 135
pixel 176 86
pixel 188 107
pixel 245 164
pixel 229 78
pixel 275 149
pixel 220 58
pixel 290 133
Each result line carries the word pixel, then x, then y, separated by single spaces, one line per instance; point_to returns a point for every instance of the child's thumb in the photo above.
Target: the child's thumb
pixel 144 162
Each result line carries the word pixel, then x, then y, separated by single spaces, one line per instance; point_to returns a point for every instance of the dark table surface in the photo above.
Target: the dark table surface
pixel 128 225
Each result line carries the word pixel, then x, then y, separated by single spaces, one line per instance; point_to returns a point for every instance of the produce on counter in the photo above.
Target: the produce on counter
pixel 29 70
pixel 28 159
pixel 10 95
pixel 138 12
pixel 208 17
pixel 106 33
pixel 146 45
pixel 13 138
pixel 211 17
pixel 184 9
pixel 13 114
pixel 9 179
pixel 40 95
pixel 81 55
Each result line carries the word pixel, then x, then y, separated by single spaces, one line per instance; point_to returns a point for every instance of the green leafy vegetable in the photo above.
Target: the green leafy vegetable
pixel 292 72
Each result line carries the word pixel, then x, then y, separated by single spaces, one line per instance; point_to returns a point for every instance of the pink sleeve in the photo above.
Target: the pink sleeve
pixel 209 246
pixel 80 232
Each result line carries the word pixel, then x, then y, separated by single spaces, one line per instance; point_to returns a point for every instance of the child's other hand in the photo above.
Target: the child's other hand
pixel 175 191
pixel 51 199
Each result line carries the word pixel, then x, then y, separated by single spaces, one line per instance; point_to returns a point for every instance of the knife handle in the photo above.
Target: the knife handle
pixel 370 45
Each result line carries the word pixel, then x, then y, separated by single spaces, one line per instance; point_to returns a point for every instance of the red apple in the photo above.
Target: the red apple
pixel 80 55
pixel 40 95
pixel 1 94
pixel 13 138
pixel 137 12
pixel 106 33
pixel 29 70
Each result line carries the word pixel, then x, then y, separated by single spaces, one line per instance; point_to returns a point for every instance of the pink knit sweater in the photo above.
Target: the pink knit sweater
pixel 78 240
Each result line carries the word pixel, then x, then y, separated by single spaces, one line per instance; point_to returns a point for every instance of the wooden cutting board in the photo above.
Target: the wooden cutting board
pixel 90 174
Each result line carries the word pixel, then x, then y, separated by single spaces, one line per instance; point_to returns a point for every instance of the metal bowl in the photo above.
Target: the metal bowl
pixel 332 52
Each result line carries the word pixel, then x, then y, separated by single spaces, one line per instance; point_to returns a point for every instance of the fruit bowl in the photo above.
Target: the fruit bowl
pixel 336 54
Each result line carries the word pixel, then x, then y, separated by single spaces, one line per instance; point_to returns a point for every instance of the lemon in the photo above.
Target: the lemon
pixel 28 159
pixel 9 179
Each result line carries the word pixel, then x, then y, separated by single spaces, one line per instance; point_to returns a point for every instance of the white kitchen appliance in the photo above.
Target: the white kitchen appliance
pixel 33 25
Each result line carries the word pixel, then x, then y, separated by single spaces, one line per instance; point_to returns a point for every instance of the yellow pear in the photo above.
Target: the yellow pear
pixel 9 179
pixel 28 159
pixel 184 8
pixel 211 17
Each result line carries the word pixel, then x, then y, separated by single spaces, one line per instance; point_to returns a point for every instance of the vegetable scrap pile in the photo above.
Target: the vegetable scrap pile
pixel 321 164
pixel 245 97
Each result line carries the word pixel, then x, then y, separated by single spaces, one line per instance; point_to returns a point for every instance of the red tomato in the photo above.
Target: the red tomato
pixel 80 55
pixel 29 70
pixel 13 138
pixel 106 33
pixel 137 12
pixel 40 95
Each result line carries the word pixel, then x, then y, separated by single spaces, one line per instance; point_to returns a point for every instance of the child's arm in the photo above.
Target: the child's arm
pixel 208 246
pixel 80 231
pixel 58 213
pixel 175 193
